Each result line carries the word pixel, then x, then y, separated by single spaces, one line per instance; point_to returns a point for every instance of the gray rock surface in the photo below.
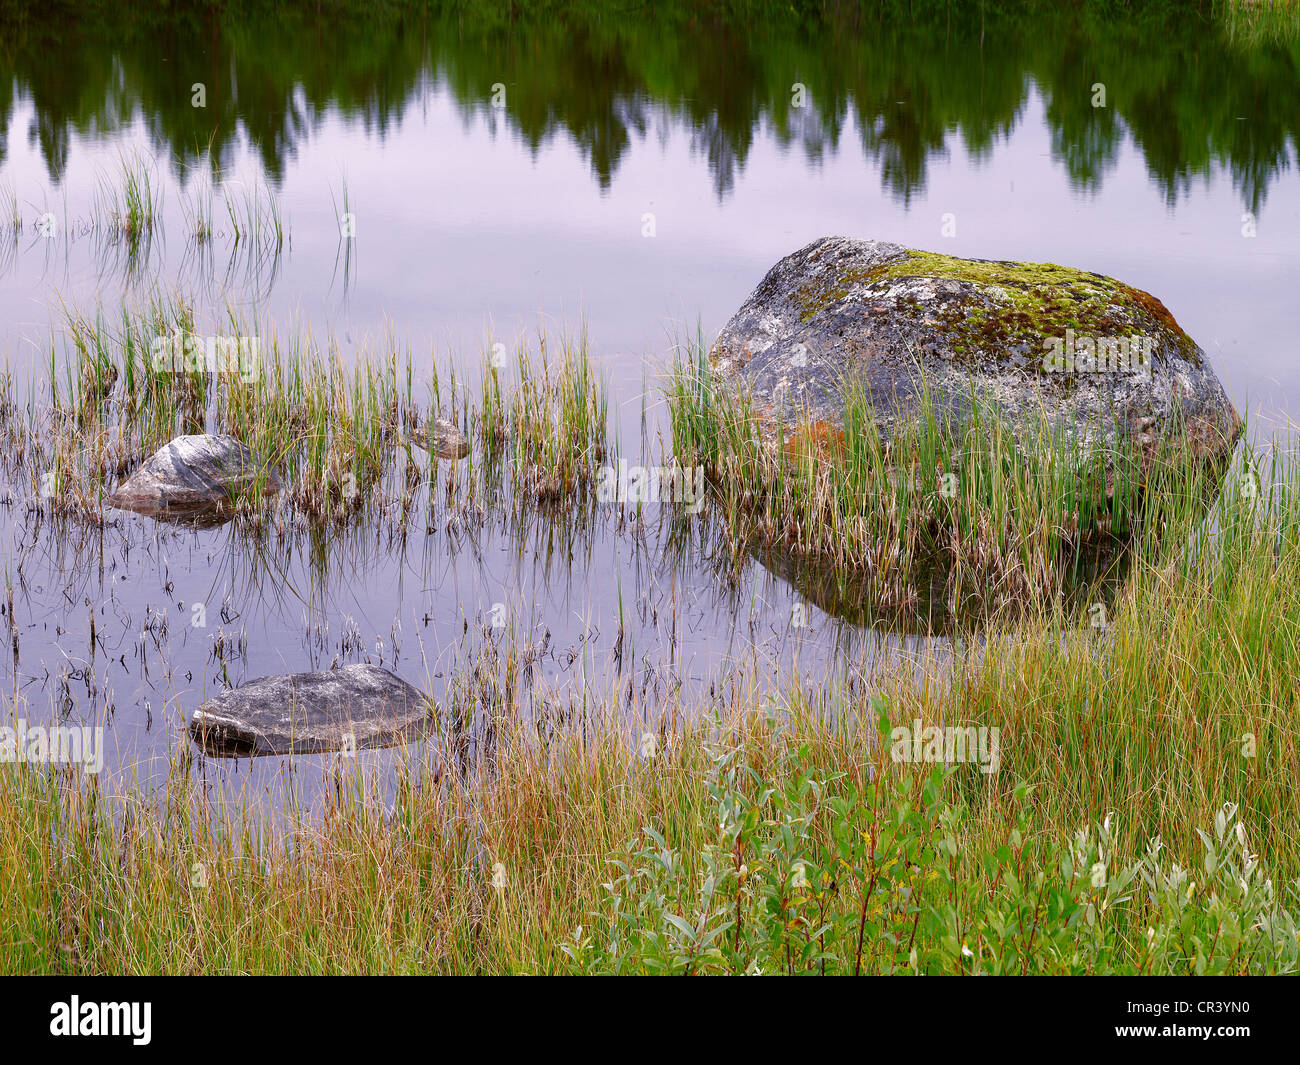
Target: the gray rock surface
pixel 356 706
pixel 192 476
pixel 441 437
pixel 843 313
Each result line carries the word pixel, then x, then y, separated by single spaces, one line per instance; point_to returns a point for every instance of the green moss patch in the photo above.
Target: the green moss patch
pixel 1036 300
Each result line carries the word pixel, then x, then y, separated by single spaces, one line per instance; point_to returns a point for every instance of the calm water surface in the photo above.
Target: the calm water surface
pixel 480 220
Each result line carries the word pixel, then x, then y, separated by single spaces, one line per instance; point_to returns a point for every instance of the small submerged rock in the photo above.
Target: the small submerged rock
pixel 353 707
pixel 441 437
pixel 194 476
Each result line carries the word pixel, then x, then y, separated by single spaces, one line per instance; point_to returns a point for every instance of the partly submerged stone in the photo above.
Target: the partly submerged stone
pixel 441 437
pixel 909 329
pixel 194 476
pixel 350 708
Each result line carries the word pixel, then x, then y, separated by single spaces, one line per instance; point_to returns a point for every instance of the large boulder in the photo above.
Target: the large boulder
pixel 1094 356
pixel 303 713
pixel 193 476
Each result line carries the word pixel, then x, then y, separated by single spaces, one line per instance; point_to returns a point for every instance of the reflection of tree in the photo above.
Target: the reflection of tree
pixel 908 75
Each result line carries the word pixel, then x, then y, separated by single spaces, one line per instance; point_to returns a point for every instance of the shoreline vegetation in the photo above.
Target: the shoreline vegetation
pixel 783 832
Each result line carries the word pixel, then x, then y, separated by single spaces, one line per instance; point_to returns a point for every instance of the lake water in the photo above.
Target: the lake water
pixel 635 179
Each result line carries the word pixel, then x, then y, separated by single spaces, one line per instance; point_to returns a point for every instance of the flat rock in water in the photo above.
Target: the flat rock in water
pixel 441 437
pixel 889 321
pixel 303 713
pixel 193 476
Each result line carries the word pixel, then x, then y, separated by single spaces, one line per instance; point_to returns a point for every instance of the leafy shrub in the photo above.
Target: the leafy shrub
pixel 819 873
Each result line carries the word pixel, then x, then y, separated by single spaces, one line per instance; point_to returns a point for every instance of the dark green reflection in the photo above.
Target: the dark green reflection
pixel 1189 90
